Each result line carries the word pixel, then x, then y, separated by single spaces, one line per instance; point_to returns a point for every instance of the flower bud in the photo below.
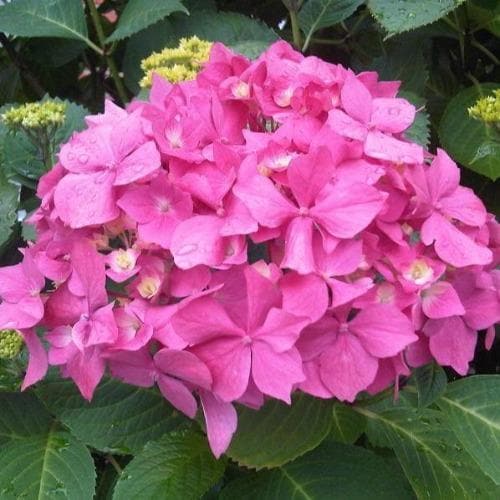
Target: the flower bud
pixel 11 344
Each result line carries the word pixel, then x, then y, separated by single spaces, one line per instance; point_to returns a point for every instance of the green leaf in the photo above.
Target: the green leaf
pixel 469 141
pixel 347 424
pixel 139 14
pixel 333 470
pixel 472 406
pixel 407 15
pixel 178 466
pixel 278 433
pixel 432 458
pixel 9 200
pixel 37 459
pixel 54 18
pixel 430 381
pixel 318 14
pixel 230 28
pixel 120 418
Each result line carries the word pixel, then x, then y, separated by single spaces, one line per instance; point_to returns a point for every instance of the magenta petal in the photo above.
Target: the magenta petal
pixel 298 246
pixel 451 245
pixel 443 176
pixel 86 199
pixel 383 330
pixel 313 384
pixel 392 115
pixel 37 364
pixel 274 373
pixel 86 369
pixel 183 365
pixel 269 207
pixel 304 295
pixel 178 395
pixel 482 309
pixel 441 300
pixel 281 329
pixel 24 314
pixel 309 173
pixel 135 367
pixel 203 319
pixel 189 281
pixel 346 368
pixel 140 163
pixel 464 206
pixel 356 98
pixel 197 241
pixel 344 125
pixel 383 147
pixel 346 209
pixel 451 342
pixel 221 420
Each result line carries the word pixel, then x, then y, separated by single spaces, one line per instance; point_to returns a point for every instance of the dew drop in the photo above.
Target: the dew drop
pixel 83 158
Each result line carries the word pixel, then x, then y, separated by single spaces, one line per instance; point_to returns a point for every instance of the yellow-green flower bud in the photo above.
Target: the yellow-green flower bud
pixel 487 109
pixel 35 115
pixel 176 64
pixel 11 344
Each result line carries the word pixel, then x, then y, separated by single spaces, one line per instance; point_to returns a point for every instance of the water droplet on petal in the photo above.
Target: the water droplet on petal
pixel 187 249
pixel 83 158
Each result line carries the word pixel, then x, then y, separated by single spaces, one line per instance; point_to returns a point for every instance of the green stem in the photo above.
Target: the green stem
pixel 485 51
pixel 328 41
pixel 112 460
pixel 297 37
pixel 96 20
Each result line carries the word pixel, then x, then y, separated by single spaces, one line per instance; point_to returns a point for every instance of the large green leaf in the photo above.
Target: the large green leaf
pixel 37 458
pixel 318 14
pixel 235 30
pixel 278 433
pixel 139 14
pixel 419 131
pixel 472 406
pixel 405 15
pixel 430 382
pixel 120 417
pixel 469 141
pixel 347 424
pixel 333 470
pixel 432 458
pixel 9 199
pixel 54 18
pixel 178 466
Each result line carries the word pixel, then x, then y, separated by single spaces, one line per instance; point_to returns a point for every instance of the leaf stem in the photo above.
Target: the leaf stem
pixel 115 75
pixel 485 51
pixel 112 460
pixel 294 20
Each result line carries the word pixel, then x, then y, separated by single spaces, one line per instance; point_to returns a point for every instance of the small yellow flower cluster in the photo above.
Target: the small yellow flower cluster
pixel 35 115
pixel 178 64
pixel 487 109
pixel 11 343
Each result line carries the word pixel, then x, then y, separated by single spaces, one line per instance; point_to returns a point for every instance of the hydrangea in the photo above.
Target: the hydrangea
pixel 11 344
pixel 262 229
pixel 35 115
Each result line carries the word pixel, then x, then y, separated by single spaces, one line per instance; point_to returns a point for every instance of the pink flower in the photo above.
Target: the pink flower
pixel 249 335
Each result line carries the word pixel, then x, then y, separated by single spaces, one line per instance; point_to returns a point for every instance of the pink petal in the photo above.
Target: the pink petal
pixel 343 292
pixel 135 368
pixel 443 176
pixel 266 204
pixel 356 98
pixel 189 281
pixel 229 360
pixel 178 395
pixel 451 342
pixel 140 163
pixel 183 365
pixel 383 330
pixel 343 124
pixel 304 295
pixel 345 210
pixel 203 319
pixel 465 206
pixel 37 364
pixel 382 147
pixel 24 314
pixel 298 246
pixel 346 368
pixel 313 384
pixel 274 373
pixel 482 309
pixel 309 173
pixel 86 369
pixel 86 199
pixel 451 245
pixel 281 329
pixel 221 420
pixel 197 241
pixel 440 300
pixel 392 115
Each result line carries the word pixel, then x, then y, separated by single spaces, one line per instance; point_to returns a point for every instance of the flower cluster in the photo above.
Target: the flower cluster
pixel 264 229
pixel 178 64
pixel 487 109
pixel 35 115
